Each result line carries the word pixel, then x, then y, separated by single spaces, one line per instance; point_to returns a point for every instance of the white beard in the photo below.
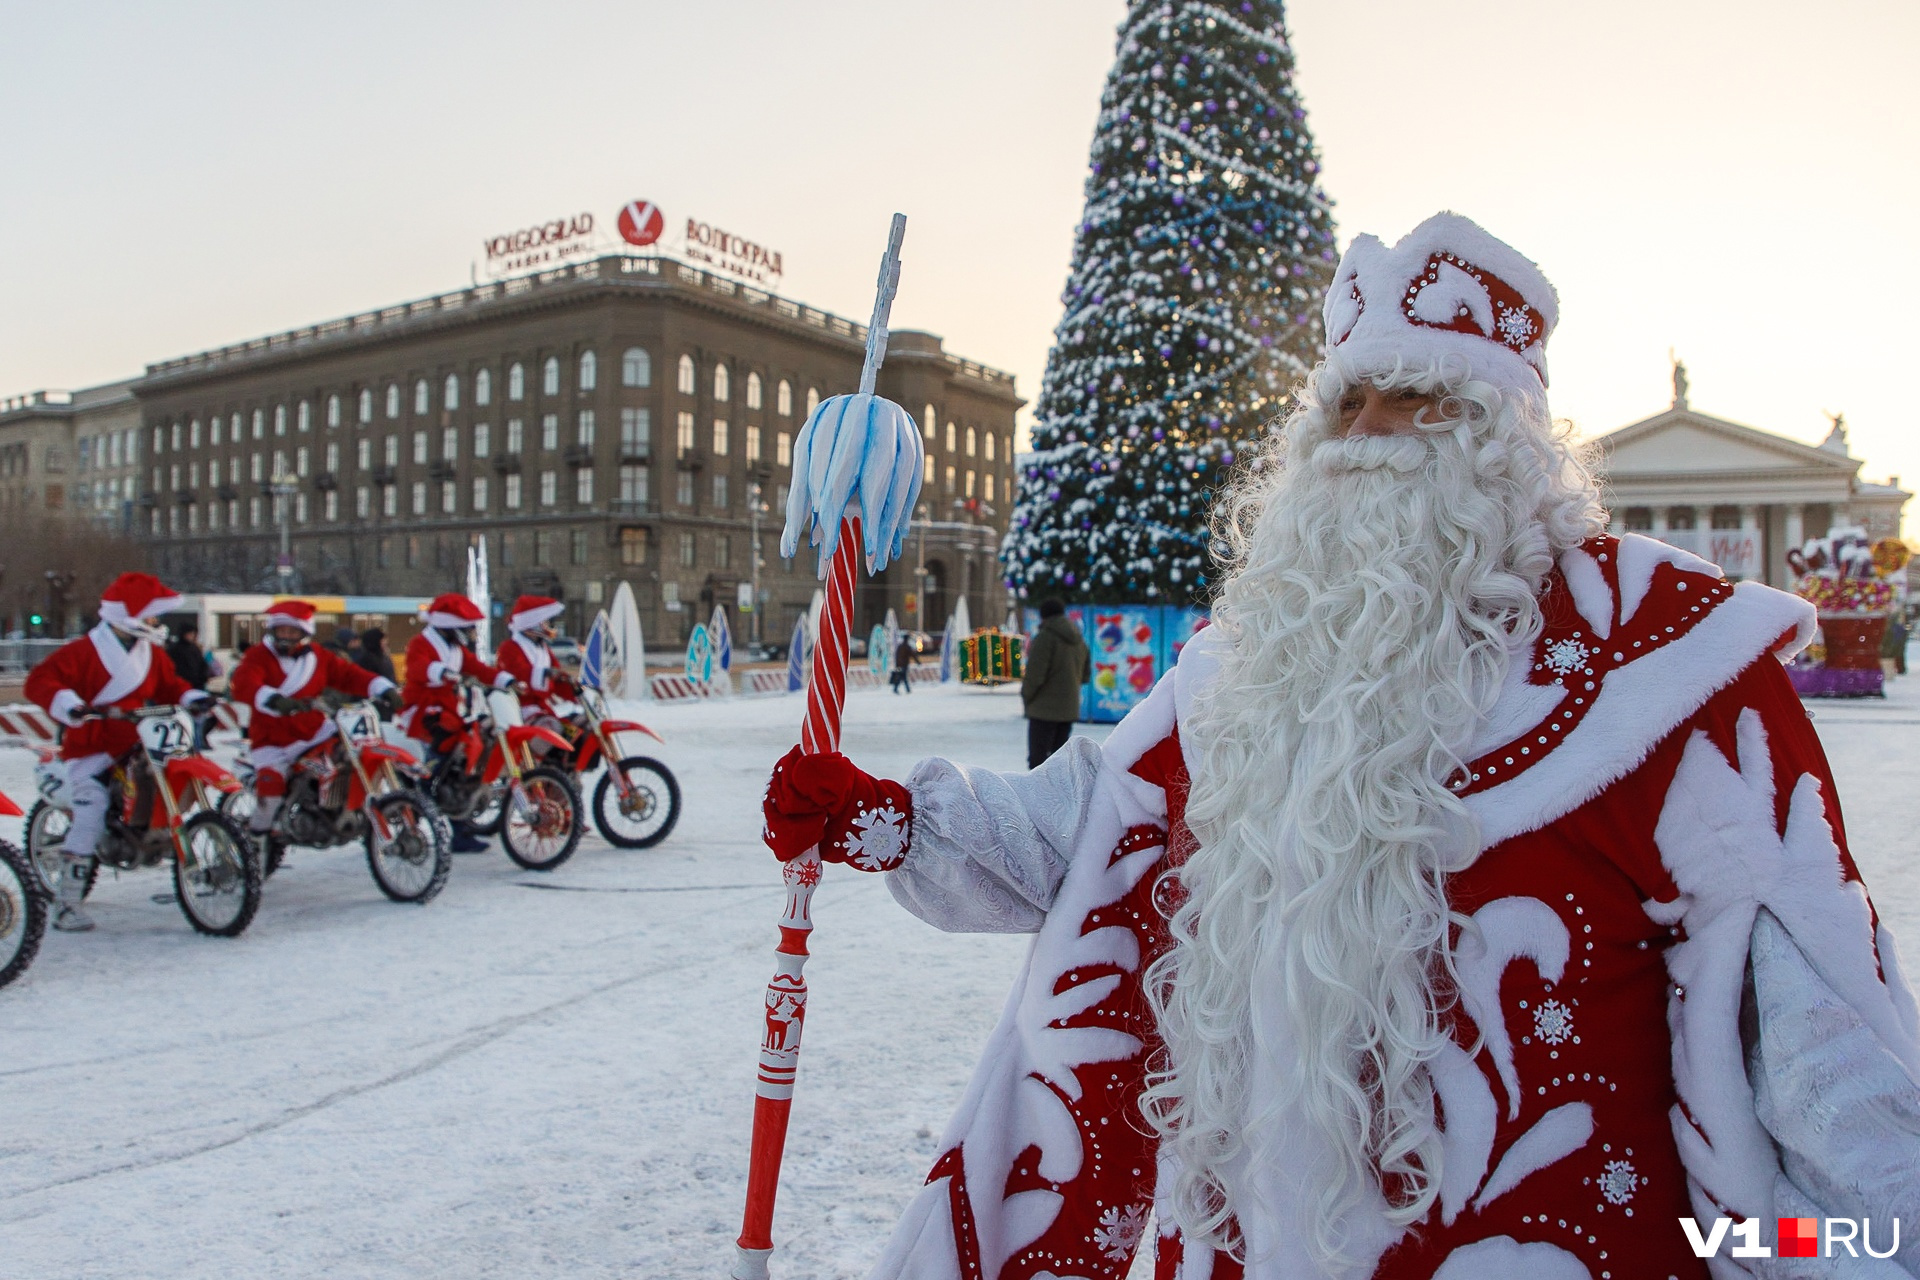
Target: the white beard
pixel 1379 588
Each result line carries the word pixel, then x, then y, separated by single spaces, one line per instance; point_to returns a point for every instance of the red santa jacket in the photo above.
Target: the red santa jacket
pixel 531 663
pixel 433 687
pixel 94 671
pixel 1660 843
pixel 263 674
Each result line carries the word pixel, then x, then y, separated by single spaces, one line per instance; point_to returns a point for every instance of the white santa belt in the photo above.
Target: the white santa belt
pixel 278 758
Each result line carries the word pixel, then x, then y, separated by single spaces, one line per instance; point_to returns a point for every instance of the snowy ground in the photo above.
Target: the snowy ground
pixel 551 1076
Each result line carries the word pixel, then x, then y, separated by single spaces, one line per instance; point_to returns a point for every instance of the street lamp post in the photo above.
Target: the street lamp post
pixel 755 508
pixel 283 486
pixel 920 571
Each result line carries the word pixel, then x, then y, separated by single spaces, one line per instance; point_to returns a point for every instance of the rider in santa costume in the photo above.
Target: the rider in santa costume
pixel 279 678
pixel 1471 901
pixel 437 658
pixel 528 657
pixel 119 666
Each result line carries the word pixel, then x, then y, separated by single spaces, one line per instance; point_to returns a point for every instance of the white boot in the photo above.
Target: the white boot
pixel 69 916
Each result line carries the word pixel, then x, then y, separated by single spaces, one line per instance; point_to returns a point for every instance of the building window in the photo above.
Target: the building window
pixel 684 433
pixel 970 442
pixel 577 547
pixel 393 399
pixel 449 498
pixel 927 424
pixel 783 399
pixel 542 546
pixel 332 503
pixel 950 477
pixel 928 460
pixel 636 368
pixel 279 419
pixel 516 383
pixel 549 488
pixel 720 492
pixel 753 391
pixel 366 404
pixel 479 493
pixel 969 483
pixel 482 388
pixel 419 447
pixel 550 376
pixel 753 443
pixel 633 546
pixel 686 551
pixel 953 437
pixel 513 491
pixel 253 511
pixel 389 499
pixel 173 476
pixel 421 396
pixel 482 440
pixel 362 502
pixel 1725 518
pixel 636 431
pixel 333 412
pixel 300 507
pixel 259 424
pixel 1639 520
pixel 300 461
pixel 514 433
pixel 450 443
pixel 783 449
pixel 688 379
pixel 419 497
pixel 719 437
pixel 683 489
pixel 258 468
pixel 413 551
pixel 583 486
pixel 723 550
pixel 989 482
pixel 589 371
pixel 450 392
pixel 583 428
pixel 633 483
pixel 506 548
pixel 1680 517
pixel 393 451
pixel 176 437
pixel 813 400
pixel 549 431
pixel 989 442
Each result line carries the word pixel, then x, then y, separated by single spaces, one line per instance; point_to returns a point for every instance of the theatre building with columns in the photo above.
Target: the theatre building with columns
pixel 1737 495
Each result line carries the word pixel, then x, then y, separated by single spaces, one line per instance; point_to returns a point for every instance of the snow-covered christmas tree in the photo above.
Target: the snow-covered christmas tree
pixel 1192 307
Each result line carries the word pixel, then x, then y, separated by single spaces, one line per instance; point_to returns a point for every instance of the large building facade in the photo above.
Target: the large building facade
pixel 625 419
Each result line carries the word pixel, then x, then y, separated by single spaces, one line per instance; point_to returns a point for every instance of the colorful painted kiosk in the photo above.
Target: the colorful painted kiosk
pixel 1855 586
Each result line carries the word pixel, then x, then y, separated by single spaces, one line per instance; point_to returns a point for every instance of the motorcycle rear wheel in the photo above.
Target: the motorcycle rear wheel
pixel 642 816
pixel 23 912
pixel 45 833
pixel 543 834
pixel 412 862
pixel 218 882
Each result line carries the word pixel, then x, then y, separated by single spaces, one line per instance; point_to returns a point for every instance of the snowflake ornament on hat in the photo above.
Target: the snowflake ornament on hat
pixel 1447 292
pixel 529 612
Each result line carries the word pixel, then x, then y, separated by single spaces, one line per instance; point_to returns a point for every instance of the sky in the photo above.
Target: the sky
pixel 1734 180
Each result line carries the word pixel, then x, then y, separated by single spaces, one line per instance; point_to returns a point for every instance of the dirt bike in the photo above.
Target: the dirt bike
pixel 637 800
pixel 356 787
pixel 490 777
pixel 23 905
pixel 162 806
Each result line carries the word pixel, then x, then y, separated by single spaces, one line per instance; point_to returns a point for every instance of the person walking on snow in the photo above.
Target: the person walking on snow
pixel 1056 668
pixel 1471 901
pixel 436 659
pixel 903 658
pixel 279 678
pixel 88 684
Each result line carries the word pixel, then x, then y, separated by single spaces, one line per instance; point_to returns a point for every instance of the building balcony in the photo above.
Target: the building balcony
pixel 506 463
pixel 578 455
pixel 442 470
pixel 149 499
pixel 227 493
pixel 635 453
pixel 384 475
pixel 326 482
pixel 641 509
pixel 691 460
pixel 186 497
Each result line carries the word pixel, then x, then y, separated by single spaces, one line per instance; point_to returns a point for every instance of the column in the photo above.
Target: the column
pixel 1796 524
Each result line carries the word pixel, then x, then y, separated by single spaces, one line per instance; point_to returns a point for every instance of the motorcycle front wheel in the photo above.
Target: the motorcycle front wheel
pixel 639 814
pixel 408 847
pixel 217 880
pixel 540 822
pixel 23 912
pixel 46 835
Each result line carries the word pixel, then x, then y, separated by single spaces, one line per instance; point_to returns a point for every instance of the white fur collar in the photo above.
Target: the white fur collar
pixel 126 668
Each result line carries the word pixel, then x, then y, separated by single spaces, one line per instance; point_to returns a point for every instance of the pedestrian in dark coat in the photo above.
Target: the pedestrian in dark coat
pixel 1057 663
pixel 371 655
pixel 903 655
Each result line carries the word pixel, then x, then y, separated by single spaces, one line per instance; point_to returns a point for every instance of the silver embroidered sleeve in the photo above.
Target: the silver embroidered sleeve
pixel 989 849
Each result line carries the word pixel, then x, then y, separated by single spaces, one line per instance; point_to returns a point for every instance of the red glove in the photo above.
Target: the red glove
pixel 863 821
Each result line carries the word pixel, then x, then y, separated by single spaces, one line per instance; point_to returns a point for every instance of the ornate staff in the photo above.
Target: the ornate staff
pixel 853 449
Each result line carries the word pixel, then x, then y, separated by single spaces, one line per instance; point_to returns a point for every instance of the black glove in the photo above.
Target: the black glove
pixel 389 701
pixel 281 705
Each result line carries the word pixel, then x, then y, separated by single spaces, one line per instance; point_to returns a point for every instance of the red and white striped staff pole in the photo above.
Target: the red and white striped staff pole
pixel 786 996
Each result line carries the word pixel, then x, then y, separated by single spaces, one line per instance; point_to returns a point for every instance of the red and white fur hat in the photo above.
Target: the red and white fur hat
pixel 135 597
pixel 1448 291
pixel 531 611
pixel 291 613
pixel 453 610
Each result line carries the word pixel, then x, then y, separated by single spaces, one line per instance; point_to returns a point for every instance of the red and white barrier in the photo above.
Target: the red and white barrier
pixel 26 721
pixel 668 688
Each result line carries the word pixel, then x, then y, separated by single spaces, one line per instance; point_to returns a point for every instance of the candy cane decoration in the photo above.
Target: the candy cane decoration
pixel 852 448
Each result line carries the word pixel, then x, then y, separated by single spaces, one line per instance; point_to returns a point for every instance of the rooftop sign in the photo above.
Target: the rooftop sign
pixel 544 245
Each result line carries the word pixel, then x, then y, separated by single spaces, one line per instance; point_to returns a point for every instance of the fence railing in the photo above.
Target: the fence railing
pixel 17 657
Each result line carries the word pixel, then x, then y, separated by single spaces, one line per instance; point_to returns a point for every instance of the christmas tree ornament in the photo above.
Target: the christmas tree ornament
pixel 853 448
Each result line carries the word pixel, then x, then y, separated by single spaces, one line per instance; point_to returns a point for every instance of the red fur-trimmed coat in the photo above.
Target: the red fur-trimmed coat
pixel 1659 842
pixel 261 674
pixel 94 671
pixel 432 688
pixel 531 663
